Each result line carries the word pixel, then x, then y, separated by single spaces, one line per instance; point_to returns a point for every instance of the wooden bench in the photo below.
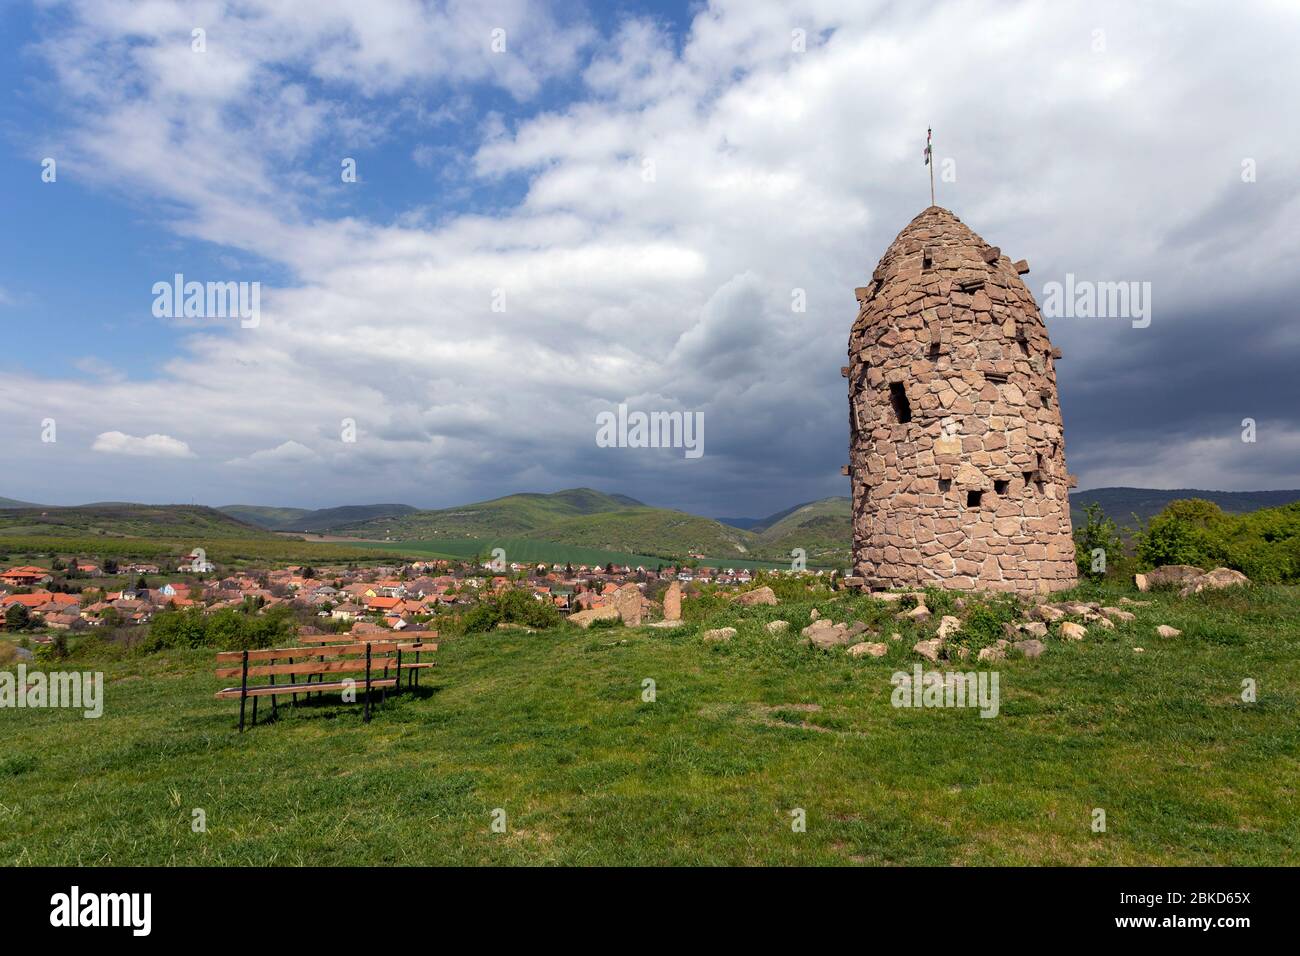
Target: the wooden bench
pixel 374 659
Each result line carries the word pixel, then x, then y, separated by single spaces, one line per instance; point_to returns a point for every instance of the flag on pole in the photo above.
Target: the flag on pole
pixel 928 147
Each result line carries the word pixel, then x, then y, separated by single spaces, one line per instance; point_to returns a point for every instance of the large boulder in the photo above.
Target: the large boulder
pixel 628 600
pixel 1072 631
pixel 673 602
pixel 583 619
pixel 1214 581
pixel 763 595
pixel 1167 576
pixel 824 635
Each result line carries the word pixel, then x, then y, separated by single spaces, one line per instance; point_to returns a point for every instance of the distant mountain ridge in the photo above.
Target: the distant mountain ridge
pixel 1120 504
pixel 320 520
pixel 575 517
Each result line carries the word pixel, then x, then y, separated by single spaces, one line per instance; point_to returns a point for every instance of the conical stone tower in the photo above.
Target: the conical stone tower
pixel 956 449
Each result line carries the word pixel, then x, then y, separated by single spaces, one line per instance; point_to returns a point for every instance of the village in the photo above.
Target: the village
pixel 80 594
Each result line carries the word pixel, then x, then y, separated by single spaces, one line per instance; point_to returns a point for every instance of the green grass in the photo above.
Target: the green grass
pixel 551 727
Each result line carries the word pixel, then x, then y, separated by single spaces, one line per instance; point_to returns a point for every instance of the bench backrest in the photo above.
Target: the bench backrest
pixel 322 659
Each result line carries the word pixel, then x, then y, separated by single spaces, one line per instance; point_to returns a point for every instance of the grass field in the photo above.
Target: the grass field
pixel 552 729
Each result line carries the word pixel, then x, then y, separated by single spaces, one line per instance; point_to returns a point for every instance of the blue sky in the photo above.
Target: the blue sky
pixel 1070 131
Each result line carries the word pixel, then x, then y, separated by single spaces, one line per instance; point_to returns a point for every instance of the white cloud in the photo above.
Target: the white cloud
pixel 150 446
pixel 290 452
pixel 773 170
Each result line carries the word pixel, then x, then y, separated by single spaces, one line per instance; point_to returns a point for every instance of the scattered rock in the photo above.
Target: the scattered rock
pixel 1214 580
pixel 1115 614
pixel 825 635
pixel 814 614
pixel 763 595
pixel 584 618
pixel 1105 622
pixel 991 654
pixel 720 634
pixel 1030 648
pixel 1139 650
pixel 856 628
pixel 1164 630
pixel 1169 575
pixel 1011 630
pixel 918 613
pixel 928 649
pixel 948 625
pixel 777 627
pixel 1132 603
pixel 895 636
pixel 1047 613
pixel 1036 628
pixel 870 649
pixel 1075 632
pixel 677 623
pixel 673 602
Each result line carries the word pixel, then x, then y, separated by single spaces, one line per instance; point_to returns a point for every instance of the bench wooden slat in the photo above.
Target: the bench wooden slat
pixel 328 650
pixel 266 690
pixel 322 667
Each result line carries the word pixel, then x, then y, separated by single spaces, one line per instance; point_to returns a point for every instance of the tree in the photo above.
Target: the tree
pixel 18 618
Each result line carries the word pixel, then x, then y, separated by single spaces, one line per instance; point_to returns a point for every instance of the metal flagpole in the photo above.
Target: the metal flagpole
pixel 929 161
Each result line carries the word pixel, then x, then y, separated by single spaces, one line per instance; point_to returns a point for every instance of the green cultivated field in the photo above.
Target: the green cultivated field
pixel 552 728
pixel 530 551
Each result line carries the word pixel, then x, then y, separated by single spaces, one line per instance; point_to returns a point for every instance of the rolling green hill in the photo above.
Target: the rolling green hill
pixel 515 515
pixel 263 516
pixel 654 531
pixel 822 528
pixel 128 520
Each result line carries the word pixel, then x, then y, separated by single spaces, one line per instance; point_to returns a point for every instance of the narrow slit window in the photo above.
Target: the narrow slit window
pixel 1001 486
pixel 997 378
pixel 945 484
pixel 898 399
pixel 973 498
pixel 1029 478
pixel 934 349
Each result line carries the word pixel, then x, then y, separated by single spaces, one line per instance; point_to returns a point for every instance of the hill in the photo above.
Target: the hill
pixel 654 531
pixel 514 515
pixel 822 528
pixel 264 517
pixel 190 522
pixel 1120 504
pixel 15 503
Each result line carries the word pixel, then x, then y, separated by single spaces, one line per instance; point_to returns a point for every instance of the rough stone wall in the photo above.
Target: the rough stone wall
pixel 957 455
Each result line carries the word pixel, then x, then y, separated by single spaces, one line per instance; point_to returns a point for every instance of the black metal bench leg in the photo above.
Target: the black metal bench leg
pixel 243 692
pixel 367 683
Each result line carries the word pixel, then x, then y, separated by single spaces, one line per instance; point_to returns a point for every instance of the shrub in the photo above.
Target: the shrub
pixel 227 629
pixel 509 607
pixel 1097 533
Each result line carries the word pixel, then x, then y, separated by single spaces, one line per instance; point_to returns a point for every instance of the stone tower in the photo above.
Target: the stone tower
pixel 956 448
